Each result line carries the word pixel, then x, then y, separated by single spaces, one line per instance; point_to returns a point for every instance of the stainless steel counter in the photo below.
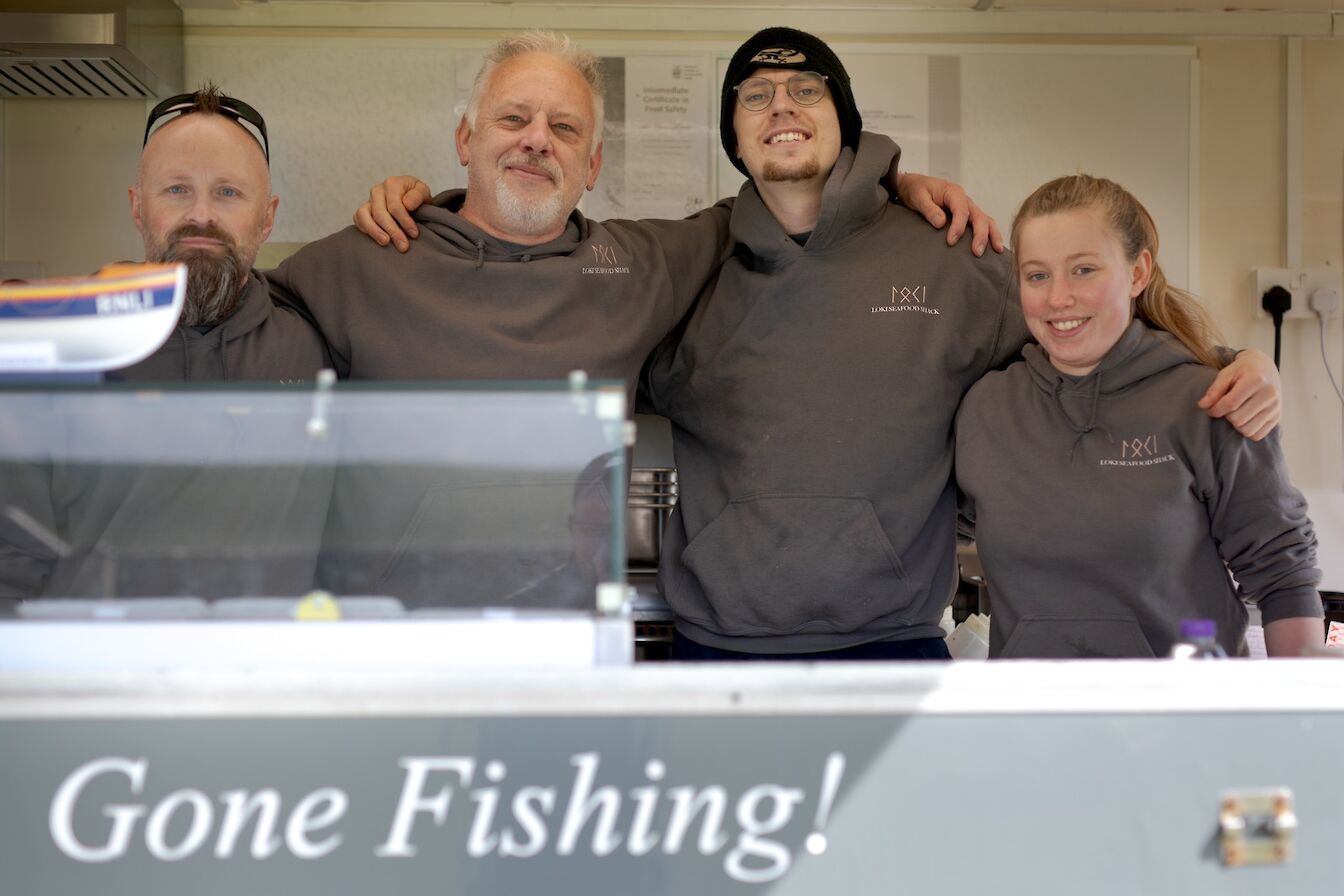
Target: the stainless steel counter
pixel 404 770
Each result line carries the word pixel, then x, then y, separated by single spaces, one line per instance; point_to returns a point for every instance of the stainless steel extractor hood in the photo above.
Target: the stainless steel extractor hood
pixel 90 49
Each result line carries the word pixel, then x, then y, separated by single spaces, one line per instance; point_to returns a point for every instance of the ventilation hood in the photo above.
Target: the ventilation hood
pixel 90 49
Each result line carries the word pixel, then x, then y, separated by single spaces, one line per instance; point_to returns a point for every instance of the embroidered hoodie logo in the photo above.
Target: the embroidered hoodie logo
pixel 604 261
pixel 907 298
pixel 1140 451
pixel 1139 447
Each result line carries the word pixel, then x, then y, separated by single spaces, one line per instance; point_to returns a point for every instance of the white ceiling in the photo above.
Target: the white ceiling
pixel 1159 18
pixel 1086 6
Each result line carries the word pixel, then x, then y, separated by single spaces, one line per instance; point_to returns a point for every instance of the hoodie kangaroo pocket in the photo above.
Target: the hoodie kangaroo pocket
pixel 784 564
pixel 1049 636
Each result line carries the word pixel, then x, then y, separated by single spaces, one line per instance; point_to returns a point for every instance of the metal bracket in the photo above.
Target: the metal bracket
pixel 1256 827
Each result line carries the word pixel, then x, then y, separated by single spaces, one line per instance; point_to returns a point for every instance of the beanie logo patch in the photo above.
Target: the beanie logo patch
pixel 780 56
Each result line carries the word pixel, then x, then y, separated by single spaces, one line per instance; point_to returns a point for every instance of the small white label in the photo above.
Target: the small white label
pixel 610 404
pixel 34 355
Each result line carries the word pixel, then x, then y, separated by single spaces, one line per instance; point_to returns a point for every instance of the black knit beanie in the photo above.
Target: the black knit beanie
pixel 788 48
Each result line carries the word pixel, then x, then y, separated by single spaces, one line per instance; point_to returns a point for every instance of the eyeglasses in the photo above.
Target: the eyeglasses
pixel 247 117
pixel 806 88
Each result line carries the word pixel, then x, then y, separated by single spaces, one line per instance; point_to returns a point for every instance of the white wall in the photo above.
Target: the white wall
pixel 67 164
pixel 1242 163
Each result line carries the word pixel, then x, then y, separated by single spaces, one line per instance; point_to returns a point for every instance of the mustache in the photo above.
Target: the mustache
pixel 533 160
pixel 205 231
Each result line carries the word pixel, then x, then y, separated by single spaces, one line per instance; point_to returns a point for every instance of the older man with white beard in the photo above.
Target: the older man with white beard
pixel 202 196
pixel 507 280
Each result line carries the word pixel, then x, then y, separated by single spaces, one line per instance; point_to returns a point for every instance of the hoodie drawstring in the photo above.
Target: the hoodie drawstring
pixel 186 352
pixel 480 254
pixel 1094 402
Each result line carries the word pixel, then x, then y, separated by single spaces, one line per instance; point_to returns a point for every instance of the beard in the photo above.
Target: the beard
pixel 781 172
pixel 215 281
pixel 526 215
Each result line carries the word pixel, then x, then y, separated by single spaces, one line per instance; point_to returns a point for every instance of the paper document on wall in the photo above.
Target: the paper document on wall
pixel 892 93
pixel 656 156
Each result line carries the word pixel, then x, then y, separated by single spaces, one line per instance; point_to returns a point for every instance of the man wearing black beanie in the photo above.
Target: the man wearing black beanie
pixel 813 384
pixel 785 49
pixel 812 389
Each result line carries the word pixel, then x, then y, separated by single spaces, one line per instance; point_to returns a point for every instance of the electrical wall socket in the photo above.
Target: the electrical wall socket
pixel 1301 283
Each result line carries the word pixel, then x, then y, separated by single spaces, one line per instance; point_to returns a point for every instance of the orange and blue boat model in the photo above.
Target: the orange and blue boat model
pixel 112 319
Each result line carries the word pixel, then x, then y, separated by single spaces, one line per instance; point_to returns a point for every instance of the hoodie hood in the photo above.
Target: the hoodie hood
pixel 442 217
pixel 251 312
pixel 851 200
pixel 1140 353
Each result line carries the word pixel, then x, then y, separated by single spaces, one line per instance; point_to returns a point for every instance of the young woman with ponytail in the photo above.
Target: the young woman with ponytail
pixel 1106 507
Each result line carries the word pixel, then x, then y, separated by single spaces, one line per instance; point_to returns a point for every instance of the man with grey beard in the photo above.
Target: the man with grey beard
pixel 126 525
pixel 202 196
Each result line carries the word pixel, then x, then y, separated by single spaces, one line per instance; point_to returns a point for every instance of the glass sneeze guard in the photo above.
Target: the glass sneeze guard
pixel 236 502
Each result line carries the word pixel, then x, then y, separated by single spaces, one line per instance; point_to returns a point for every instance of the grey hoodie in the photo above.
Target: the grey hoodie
pixel 1106 506
pixel 812 393
pixel 259 341
pixel 81 467
pixel 462 305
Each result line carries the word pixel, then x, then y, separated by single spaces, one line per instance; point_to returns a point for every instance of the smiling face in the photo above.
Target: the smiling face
pixel 203 197
pixel 786 142
pixel 1078 288
pixel 531 151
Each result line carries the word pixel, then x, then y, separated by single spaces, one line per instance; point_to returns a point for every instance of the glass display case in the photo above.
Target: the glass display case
pixel 354 500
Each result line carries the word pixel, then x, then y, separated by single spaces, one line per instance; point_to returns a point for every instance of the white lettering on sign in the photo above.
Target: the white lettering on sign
pixel 61 817
pixel 413 801
pixel 316 811
pixel 581 817
pixel 599 820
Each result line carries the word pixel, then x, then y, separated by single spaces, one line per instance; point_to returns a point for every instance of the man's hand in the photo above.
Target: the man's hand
pixel 1248 394
pixel 386 217
pixel 931 195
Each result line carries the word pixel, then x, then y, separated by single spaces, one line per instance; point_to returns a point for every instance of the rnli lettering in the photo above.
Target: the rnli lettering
pixel 124 302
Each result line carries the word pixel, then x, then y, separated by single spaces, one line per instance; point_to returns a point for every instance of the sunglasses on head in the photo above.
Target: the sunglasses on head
pixel 247 117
